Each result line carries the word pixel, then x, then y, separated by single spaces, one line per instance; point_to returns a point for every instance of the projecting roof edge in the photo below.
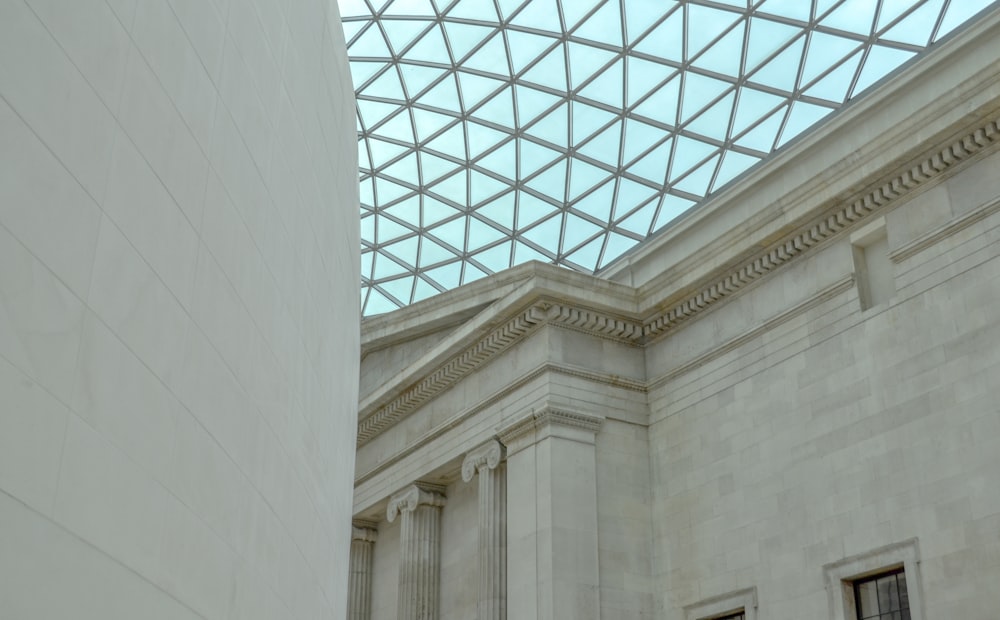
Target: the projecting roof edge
pixel 935 94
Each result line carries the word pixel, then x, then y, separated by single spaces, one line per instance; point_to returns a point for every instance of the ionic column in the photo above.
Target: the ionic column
pixel 419 550
pixel 359 589
pixel 492 527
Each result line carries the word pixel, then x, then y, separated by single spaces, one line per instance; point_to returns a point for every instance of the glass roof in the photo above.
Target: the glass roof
pixel 495 132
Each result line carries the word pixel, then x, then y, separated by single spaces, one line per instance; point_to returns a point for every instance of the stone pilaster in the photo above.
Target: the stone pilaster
pixel 486 460
pixel 359 589
pixel 419 507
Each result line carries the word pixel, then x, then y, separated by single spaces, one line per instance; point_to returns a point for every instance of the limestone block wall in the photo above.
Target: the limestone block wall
pixel 840 430
pixel 178 309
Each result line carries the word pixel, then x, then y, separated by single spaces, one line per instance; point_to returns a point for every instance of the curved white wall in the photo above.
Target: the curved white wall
pixel 178 309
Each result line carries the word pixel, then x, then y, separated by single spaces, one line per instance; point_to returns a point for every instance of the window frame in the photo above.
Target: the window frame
pixel 843 574
pixel 724 606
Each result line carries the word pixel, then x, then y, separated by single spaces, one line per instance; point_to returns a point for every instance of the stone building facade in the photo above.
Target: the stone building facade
pixel 786 401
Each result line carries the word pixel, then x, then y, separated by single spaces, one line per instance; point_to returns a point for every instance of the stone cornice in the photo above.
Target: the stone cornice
pixel 412 496
pixel 487 455
pixel 577 314
pixel 550 416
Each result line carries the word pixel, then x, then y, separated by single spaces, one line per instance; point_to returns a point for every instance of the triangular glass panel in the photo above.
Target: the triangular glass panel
pixel 500 210
pixel 525 47
pixel 781 71
pixel 583 176
pixel 916 28
pixel 616 246
pixel 667 39
pixel 443 95
pixel 532 103
pixel 834 86
pixel 405 249
pixel 367 193
pixel 374 112
pixel 402 32
pixel 463 37
pixel 370 45
pixel 766 37
pixel 753 105
pixel 608 141
pixel 481 233
pixel 640 221
pixel 508 7
pixel 534 157
pixel 434 211
pixel 491 57
pixel 499 109
pixel 430 48
pixel 733 164
pixel 725 55
pixel 688 153
pixel 588 119
pixel 378 303
pixel 385 267
pixel 644 76
pixel 472 273
pixel 382 151
pixel 704 25
pixel 714 122
pixel 823 7
pixel 481 138
pixel 476 88
pixel 588 255
pixel 599 202
pixel 524 253
pixel 448 276
pixel 540 14
pixel 496 258
pixel 482 186
pixel 408 8
pixel 893 9
pixel 452 187
pixel 671 207
pixel 825 50
pixel 608 86
pixel 762 136
pixel 482 10
pixel 502 161
pixel 423 290
pixel 405 169
pixel 427 122
pixel 386 86
pixel 367 259
pixel 803 116
pixel 546 234
pixel 362 71
pixel 575 11
pixel 433 167
pixel 418 77
pixel 398 127
pixel 631 194
pixel 553 127
pixel 699 91
pixel 386 191
pixel 880 61
pixel 604 26
pixel 452 232
pixel 794 9
pixel 638 138
pixel 368 227
pixel 352 8
pixel 577 231
pixel 451 142
pixel 640 16
pixel 531 209
pixel 432 252
pixel 552 181
pixel 549 71
pixel 585 61
pixel 857 16
pixel 698 180
pixel 652 166
pixel 400 288
pixel 663 104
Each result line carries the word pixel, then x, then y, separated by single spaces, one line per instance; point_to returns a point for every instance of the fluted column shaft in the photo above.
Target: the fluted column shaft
pixel 486 460
pixel 419 551
pixel 359 603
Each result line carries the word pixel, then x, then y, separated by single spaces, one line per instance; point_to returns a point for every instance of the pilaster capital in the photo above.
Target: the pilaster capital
pixel 486 455
pixel 364 531
pixel 550 416
pixel 412 496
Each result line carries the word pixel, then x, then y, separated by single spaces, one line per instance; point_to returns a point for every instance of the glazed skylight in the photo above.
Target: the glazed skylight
pixel 494 132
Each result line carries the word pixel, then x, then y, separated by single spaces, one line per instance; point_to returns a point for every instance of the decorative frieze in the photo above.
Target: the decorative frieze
pixel 359 589
pixel 419 507
pixel 486 461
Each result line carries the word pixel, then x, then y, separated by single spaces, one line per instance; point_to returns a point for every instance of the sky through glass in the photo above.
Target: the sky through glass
pixel 495 132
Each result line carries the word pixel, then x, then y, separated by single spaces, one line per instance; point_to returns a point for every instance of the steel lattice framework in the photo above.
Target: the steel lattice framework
pixel 494 132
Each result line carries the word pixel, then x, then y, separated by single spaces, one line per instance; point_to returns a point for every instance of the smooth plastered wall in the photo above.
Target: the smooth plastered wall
pixel 178 309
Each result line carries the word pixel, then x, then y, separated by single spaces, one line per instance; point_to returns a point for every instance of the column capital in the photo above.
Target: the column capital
pixel 412 496
pixel 365 531
pixel 486 455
